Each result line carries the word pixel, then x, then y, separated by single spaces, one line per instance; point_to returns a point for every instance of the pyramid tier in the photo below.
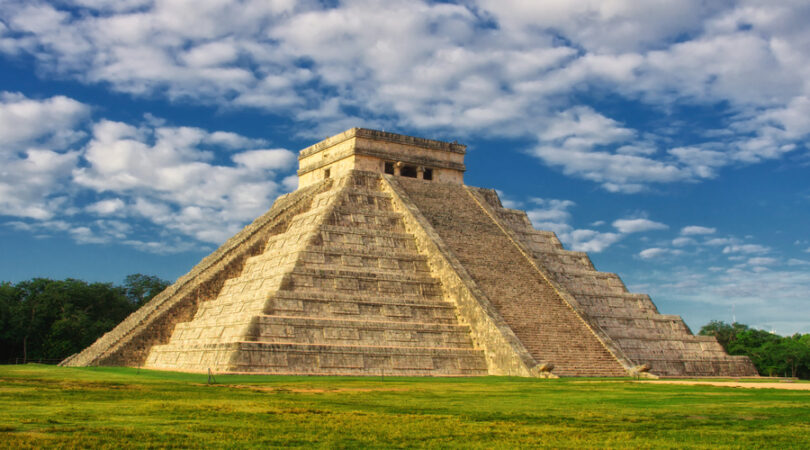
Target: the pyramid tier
pixel 315 359
pixel 311 330
pixel 375 307
pixel 358 332
pixel 622 303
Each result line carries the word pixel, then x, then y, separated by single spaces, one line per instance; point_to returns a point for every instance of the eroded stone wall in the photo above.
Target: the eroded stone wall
pixel 631 321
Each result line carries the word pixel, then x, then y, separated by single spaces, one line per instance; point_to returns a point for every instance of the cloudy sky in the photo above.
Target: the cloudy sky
pixel 666 138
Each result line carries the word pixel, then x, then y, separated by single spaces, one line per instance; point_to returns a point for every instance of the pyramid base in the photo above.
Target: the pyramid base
pixel 307 359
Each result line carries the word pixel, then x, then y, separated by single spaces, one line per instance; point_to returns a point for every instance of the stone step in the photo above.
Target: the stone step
pixel 371 219
pixel 729 366
pixel 588 370
pixel 619 313
pixel 366 201
pixel 565 254
pixel 540 241
pixel 314 359
pixel 649 330
pixel 325 304
pixel 636 344
pixel 368 191
pixel 364 273
pixel 436 299
pixel 362 331
pixel 249 281
pixel 556 260
pixel 357 258
pixel 640 321
pixel 584 280
pixel 600 304
pixel 306 218
pixel 353 237
pixel 366 252
pixel 378 281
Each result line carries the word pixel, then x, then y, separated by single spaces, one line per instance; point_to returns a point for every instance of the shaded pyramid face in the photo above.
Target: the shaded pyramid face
pixel 362 271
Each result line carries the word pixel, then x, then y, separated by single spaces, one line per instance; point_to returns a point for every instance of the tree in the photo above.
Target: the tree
pixel 141 288
pixel 52 319
pixel 773 355
pixel 723 332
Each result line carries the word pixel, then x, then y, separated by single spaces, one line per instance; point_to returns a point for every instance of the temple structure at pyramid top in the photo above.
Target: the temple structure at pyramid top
pixel 381 152
pixel 384 262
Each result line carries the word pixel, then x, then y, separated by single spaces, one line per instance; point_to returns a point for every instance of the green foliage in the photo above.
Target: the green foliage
pixel 141 288
pixel 56 407
pixel 773 355
pixel 52 319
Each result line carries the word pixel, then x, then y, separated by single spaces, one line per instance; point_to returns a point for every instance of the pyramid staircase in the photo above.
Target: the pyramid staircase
pixel 344 291
pixel 548 328
pixel 631 322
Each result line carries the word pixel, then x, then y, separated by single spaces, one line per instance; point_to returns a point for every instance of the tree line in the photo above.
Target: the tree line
pixel 772 354
pixel 49 320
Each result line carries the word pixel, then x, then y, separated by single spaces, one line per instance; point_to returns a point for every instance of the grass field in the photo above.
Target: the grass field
pixel 45 406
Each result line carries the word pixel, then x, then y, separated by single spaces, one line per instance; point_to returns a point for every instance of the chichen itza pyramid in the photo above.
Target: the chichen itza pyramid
pixel 384 262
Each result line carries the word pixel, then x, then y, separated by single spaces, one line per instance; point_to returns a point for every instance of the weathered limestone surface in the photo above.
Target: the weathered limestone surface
pixel 631 321
pixel 128 343
pixel 505 353
pixel 342 291
pixel 547 327
pixel 383 262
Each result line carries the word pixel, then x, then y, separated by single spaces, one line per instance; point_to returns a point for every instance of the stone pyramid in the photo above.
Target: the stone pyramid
pixel 384 262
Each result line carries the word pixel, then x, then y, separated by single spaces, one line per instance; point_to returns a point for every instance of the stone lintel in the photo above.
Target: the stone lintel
pixel 382 136
pixel 382 152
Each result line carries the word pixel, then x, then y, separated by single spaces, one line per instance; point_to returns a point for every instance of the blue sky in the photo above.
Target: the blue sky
pixel 666 139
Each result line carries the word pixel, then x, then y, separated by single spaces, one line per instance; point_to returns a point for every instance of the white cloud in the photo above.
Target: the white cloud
pixel 627 226
pixel 653 252
pixel 718 241
pixel 697 230
pixel 554 215
pixel 575 141
pixel 167 175
pixel 606 26
pixel 745 248
pixel 550 210
pixel 769 298
pixel 683 241
pixel 163 174
pixel 25 121
pixel 591 240
pixel 276 159
pixel 481 67
pixel 106 207
pixel 35 162
pixel 762 261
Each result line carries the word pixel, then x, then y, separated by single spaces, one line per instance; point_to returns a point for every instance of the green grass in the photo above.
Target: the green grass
pixel 45 406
